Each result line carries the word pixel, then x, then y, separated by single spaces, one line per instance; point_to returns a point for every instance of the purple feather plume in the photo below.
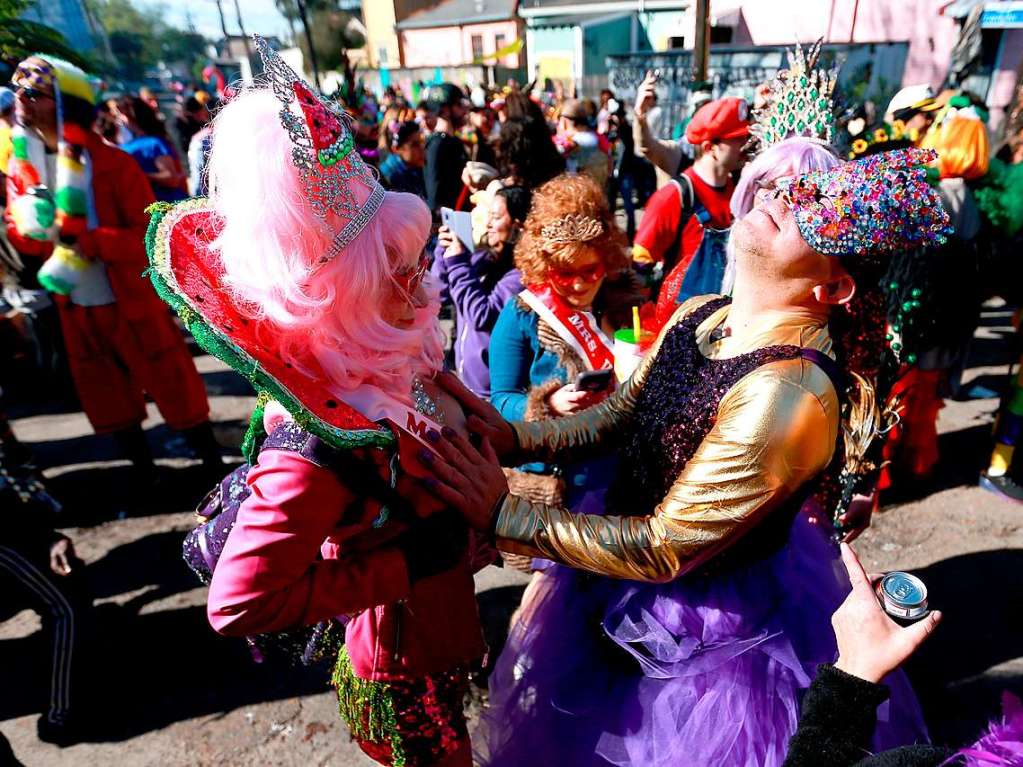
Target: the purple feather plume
pixel 1002 746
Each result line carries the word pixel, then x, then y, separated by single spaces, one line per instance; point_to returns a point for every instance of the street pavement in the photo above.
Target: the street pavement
pixel 166 690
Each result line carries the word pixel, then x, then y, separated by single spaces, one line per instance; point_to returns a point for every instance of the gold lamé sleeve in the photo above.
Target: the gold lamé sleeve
pixel 775 430
pixel 555 438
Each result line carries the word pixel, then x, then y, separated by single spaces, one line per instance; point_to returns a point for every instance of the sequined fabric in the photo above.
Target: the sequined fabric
pixel 773 431
pixel 676 409
pixel 879 204
pixel 407 723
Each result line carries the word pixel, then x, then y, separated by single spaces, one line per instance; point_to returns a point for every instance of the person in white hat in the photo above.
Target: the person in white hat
pixel 914 105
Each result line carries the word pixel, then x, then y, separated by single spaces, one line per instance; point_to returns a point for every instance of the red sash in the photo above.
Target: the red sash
pixel 575 327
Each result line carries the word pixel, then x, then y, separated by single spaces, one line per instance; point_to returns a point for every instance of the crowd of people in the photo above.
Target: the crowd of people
pixel 674 425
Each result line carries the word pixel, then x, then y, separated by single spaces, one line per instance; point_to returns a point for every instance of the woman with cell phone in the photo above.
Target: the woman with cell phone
pixel 551 349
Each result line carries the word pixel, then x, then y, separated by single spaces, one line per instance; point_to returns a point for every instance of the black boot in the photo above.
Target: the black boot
pixel 205 446
pixel 132 443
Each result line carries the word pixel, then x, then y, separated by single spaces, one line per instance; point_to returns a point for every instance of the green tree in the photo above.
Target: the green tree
pixel 139 38
pixel 332 32
pixel 20 38
pixel 133 35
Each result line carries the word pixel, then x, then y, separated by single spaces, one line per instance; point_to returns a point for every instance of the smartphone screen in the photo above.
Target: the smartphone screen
pixel 460 224
pixel 593 380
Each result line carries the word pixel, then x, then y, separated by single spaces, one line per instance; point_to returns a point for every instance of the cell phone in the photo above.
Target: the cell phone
pixel 460 224
pixel 594 381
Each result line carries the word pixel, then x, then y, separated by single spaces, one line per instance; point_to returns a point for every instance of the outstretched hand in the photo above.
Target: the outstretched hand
pixel 468 480
pixel 870 644
pixel 646 94
pixel 483 420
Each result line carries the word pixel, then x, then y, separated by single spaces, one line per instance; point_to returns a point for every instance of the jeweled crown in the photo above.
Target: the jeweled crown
pixel 341 188
pixel 799 102
pixel 574 227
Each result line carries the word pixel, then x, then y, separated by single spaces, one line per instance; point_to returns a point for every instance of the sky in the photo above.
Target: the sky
pixel 259 16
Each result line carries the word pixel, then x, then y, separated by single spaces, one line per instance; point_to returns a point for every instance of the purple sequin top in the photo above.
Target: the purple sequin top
pixel 676 409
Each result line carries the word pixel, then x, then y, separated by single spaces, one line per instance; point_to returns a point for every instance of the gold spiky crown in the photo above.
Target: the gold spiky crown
pixel 574 227
pixel 799 102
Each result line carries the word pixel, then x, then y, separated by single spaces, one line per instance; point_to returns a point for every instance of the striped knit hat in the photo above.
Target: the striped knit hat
pixel 64 210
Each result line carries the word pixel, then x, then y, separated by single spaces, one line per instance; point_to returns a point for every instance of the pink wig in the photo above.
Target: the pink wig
pixel 329 321
pixel 791 157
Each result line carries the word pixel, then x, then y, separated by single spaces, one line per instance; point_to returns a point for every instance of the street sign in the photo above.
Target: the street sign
pixel 1007 14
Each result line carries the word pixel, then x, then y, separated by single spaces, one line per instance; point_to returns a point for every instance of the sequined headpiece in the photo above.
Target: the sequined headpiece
pixel 799 102
pixel 340 186
pixel 879 204
pixel 574 227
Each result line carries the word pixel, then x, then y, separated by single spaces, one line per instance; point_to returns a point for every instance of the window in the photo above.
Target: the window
pixel 498 42
pixel 382 56
pixel 477 47
pixel 676 43
pixel 721 35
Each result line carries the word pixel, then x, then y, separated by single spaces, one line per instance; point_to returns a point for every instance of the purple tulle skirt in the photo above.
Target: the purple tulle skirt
pixel 707 670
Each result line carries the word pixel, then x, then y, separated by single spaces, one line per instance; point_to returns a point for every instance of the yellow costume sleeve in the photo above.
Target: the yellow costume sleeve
pixel 558 437
pixel 775 430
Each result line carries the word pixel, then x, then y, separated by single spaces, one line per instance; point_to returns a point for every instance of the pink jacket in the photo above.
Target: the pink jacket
pixel 304 549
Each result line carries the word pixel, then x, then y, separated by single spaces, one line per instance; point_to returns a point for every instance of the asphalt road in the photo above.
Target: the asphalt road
pixel 167 691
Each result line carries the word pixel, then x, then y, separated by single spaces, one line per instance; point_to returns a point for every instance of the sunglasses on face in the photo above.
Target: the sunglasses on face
pixel 409 279
pixel 32 94
pixel 564 278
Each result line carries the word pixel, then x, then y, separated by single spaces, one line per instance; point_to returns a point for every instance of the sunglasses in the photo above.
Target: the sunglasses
pixel 564 278
pixel 32 94
pixel 409 279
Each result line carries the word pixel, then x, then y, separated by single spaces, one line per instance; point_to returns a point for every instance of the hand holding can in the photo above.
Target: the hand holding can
pixel 870 643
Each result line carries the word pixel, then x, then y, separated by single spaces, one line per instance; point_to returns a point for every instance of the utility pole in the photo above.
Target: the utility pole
pixel 223 26
pixel 241 27
pixel 701 47
pixel 309 41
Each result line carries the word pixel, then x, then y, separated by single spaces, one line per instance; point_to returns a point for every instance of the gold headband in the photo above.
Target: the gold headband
pixel 574 227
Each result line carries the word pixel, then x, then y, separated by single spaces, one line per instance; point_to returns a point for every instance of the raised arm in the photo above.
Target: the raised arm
pixel 775 430
pixel 666 155
pixel 478 305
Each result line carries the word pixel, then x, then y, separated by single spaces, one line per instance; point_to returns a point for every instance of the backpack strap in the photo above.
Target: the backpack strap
pixel 358 474
pixel 686 199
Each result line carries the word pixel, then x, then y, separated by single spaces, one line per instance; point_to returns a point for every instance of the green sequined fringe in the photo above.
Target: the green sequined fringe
pixel 256 433
pixel 367 708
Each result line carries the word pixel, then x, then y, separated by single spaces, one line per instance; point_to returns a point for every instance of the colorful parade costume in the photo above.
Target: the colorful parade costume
pixel 87 217
pixel 317 540
pixel 725 455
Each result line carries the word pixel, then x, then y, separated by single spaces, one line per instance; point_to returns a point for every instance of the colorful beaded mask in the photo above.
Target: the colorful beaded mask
pixel 799 102
pixel 341 188
pixel 879 204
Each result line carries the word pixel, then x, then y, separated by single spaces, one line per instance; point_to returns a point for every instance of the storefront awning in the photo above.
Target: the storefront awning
pixel 995 14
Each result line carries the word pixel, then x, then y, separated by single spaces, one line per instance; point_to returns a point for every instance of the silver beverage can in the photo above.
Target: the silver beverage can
pixel 903 596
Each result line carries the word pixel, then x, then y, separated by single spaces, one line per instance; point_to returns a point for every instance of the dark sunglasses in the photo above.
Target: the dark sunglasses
pixel 32 94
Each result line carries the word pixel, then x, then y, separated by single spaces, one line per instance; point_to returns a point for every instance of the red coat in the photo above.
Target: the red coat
pixel 121 194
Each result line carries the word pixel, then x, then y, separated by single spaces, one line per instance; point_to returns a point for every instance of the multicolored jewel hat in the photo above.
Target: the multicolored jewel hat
pixel 342 189
pixel 876 205
pixel 799 102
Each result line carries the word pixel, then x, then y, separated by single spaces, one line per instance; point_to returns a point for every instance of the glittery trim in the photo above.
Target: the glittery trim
pixel 163 218
pixel 676 410
pixel 354 227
